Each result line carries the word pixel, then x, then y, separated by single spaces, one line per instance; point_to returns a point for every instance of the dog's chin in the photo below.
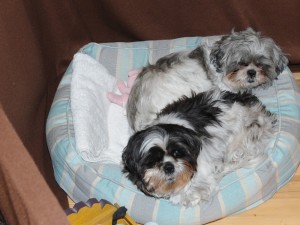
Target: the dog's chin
pixel 161 185
pixel 241 81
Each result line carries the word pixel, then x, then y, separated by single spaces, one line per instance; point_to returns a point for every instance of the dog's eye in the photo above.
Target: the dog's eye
pixel 259 65
pixel 154 156
pixel 243 64
pixel 178 153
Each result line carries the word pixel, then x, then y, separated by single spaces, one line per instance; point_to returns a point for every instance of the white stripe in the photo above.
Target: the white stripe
pixel 130 202
pixel 117 63
pixel 155 210
pixel 222 205
pixel 119 189
pixel 150 59
pixel 181 215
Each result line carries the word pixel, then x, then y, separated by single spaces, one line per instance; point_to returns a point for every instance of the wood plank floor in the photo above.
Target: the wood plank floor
pixel 282 209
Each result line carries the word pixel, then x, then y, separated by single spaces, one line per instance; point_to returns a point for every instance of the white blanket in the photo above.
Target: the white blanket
pixel 101 128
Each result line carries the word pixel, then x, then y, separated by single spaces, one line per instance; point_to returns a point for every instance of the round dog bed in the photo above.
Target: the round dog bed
pixel 237 191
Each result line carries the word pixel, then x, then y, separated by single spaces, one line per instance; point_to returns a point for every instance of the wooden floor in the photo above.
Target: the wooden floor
pixel 297 76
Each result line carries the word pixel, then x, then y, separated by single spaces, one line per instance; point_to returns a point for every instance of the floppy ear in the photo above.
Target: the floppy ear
pixel 282 62
pixel 216 56
pixel 126 161
pixel 131 154
pixel 130 166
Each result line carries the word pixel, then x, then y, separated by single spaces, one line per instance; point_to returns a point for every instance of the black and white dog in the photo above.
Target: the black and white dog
pixel 237 62
pixel 195 141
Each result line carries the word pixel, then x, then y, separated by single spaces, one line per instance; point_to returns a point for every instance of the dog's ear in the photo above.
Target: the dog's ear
pixel 125 159
pixel 216 55
pixel 130 166
pixel 131 155
pixel 281 63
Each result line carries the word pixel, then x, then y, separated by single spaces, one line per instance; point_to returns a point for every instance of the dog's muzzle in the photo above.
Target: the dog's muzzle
pixel 251 75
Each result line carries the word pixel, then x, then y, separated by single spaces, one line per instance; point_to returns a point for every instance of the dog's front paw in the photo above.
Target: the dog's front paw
pixel 189 198
pixel 191 201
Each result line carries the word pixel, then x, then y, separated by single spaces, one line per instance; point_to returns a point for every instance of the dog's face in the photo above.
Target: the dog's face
pixel 247 60
pixel 162 159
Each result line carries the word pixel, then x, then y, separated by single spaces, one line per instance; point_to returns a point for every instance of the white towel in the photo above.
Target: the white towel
pixel 101 128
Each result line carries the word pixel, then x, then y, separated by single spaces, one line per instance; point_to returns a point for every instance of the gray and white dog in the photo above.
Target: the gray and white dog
pixel 194 142
pixel 237 62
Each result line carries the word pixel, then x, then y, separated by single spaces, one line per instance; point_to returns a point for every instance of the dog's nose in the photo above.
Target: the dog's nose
pixel 169 168
pixel 251 73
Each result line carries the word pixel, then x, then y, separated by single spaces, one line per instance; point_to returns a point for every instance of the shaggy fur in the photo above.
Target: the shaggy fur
pixel 237 62
pixel 195 141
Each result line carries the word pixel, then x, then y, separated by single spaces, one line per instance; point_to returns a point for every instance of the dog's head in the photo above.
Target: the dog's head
pixel 247 60
pixel 161 159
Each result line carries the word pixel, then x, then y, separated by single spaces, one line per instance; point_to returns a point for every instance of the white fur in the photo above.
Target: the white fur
pixel 160 88
pixel 238 141
pixel 232 147
pixel 214 65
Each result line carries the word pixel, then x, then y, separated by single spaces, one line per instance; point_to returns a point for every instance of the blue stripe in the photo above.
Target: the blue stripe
pixel 91 49
pixel 234 196
pixel 291 110
pixel 165 218
pixel 55 122
pixel 123 63
pixel 140 56
pixel 58 108
pixel 190 213
pixel 193 42
pixel 112 172
pixel 124 197
pixel 105 189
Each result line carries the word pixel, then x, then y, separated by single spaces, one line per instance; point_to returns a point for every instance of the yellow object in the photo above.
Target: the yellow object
pixel 97 214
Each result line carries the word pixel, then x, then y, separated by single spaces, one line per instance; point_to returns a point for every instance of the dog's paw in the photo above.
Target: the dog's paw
pixel 189 198
pixel 191 202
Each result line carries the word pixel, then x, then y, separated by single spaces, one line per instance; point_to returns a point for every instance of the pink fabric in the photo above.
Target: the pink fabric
pixel 121 99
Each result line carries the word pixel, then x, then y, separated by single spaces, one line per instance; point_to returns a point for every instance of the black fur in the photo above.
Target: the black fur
pixel 217 54
pixel 168 61
pixel 199 55
pixel 199 110
pixel 243 98
pixel 183 143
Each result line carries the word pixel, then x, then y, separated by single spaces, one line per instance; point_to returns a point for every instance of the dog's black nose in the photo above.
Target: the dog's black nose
pixel 169 168
pixel 251 73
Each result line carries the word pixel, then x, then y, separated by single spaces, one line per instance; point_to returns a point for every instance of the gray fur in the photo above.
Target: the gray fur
pixel 232 130
pixel 164 82
pixel 240 49
pixel 225 65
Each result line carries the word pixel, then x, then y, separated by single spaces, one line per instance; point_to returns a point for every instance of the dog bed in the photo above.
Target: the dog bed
pixel 84 175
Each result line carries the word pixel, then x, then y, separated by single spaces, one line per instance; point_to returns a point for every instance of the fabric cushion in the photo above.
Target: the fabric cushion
pixel 237 192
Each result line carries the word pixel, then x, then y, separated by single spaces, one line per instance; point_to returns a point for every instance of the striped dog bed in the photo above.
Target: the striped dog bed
pixel 237 191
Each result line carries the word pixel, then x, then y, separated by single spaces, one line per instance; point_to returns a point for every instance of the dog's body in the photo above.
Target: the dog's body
pixel 195 141
pixel 170 78
pixel 237 62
